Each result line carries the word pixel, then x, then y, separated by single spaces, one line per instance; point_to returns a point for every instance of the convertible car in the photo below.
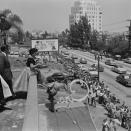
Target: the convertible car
pixel 124 79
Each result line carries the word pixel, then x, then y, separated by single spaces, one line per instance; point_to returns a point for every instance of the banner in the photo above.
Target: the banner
pixel 45 45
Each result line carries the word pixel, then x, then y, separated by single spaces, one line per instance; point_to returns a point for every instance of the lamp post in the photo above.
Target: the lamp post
pixel 98 59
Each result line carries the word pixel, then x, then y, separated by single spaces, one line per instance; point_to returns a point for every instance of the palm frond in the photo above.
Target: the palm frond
pixel 13 18
pixel 5 12
pixel 17 28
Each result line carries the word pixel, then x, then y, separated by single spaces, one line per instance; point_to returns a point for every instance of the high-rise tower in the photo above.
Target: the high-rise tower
pixel 90 9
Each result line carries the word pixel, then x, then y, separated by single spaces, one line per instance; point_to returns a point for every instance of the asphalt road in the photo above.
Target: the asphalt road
pixel 109 77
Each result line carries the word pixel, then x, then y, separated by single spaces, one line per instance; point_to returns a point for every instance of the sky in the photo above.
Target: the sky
pixel 53 15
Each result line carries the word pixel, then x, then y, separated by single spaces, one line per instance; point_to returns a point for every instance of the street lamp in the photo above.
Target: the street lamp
pixel 98 59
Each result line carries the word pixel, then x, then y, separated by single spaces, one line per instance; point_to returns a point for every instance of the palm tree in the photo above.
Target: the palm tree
pixel 9 22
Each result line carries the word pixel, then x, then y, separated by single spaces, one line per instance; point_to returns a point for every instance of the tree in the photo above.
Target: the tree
pixel 84 29
pixel 79 35
pixel 28 34
pixel 74 36
pixel 94 39
pixel 9 21
pixel 63 37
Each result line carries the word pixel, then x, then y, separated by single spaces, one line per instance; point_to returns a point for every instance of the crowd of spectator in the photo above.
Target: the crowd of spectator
pixel 117 110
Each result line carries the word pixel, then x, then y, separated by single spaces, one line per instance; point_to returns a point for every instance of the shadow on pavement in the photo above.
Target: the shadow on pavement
pixel 4 108
pixel 18 95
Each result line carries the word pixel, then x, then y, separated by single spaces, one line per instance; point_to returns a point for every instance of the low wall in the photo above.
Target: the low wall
pixel 31 109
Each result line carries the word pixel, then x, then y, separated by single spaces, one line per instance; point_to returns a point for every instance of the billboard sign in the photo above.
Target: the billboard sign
pixel 45 45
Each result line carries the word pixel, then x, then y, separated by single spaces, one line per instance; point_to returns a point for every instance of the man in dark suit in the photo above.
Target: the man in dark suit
pixel 5 68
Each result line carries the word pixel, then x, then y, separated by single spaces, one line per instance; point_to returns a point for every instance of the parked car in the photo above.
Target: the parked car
pixel 119 69
pixel 11 53
pixel 117 57
pixel 83 61
pixel 66 53
pixel 58 76
pixel 77 61
pixel 128 60
pixel 74 57
pixel 108 55
pixel 92 69
pixel 93 74
pixel 82 67
pixel 110 62
pixel 16 53
pixel 101 68
pixel 124 79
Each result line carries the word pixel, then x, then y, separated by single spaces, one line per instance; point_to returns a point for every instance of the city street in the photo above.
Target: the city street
pixel 65 65
pixel 109 77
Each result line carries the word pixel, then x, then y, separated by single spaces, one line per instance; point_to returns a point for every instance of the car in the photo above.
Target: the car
pixel 74 57
pixel 101 68
pixel 16 53
pixel 58 76
pixel 92 69
pixel 83 61
pixel 117 57
pixel 119 69
pixel 68 48
pixel 128 60
pixel 11 53
pixel 110 62
pixel 82 67
pixel 84 50
pixel 93 74
pixel 66 53
pixel 108 55
pixel 124 79
pixel 77 62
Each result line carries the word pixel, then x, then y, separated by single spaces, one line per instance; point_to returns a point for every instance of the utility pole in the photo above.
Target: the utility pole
pixel 129 36
pixel 98 58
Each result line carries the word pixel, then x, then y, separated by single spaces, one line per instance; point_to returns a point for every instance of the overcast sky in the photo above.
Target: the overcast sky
pixel 53 15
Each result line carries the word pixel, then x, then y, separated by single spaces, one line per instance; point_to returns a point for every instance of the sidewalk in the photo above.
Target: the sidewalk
pixel 98 114
pixel 75 118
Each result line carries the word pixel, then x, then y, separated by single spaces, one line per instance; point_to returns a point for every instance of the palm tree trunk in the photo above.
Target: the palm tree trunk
pixel 4 40
pixel 4 37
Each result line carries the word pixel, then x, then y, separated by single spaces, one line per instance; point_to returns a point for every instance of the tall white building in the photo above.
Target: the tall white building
pixel 90 9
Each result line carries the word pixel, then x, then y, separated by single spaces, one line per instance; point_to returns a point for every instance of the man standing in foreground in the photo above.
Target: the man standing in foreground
pixel 5 69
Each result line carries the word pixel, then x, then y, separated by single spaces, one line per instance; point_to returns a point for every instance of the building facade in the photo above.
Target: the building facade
pixel 89 8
